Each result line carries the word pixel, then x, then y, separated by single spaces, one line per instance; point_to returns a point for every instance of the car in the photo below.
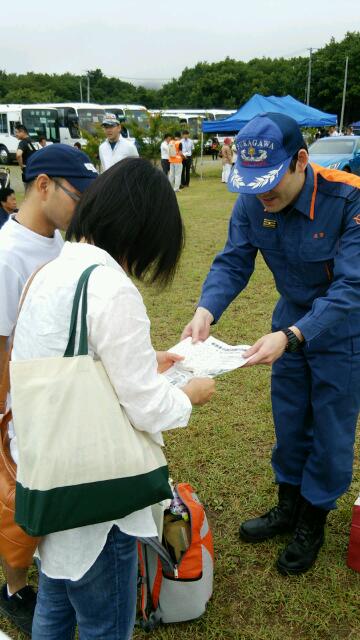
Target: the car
pixel 337 152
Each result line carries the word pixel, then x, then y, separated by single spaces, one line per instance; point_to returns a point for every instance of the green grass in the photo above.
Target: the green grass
pixel 225 453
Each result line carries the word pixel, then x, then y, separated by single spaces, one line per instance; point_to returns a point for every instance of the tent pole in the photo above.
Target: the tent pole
pixel 344 95
pixel 202 152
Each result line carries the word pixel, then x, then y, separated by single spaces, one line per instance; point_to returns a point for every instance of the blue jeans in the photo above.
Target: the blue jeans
pixel 102 603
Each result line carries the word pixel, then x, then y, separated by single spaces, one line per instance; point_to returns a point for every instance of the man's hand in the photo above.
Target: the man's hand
pixel 199 327
pixel 165 360
pixel 267 349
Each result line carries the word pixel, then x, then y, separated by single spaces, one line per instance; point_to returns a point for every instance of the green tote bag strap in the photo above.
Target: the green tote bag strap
pixel 80 295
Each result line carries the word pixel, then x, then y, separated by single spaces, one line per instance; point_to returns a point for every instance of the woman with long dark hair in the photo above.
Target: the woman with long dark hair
pixel 129 223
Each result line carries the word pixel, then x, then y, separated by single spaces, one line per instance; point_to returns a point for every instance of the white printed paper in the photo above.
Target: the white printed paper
pixel 206 359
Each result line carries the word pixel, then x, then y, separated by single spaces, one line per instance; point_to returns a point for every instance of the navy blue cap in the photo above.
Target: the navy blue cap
pixel 62 161
pixel 265 147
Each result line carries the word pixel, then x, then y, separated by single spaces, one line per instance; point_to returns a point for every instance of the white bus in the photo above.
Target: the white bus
pixel 75 116
pixel 129 112
pixel 192 118
pixel 39 120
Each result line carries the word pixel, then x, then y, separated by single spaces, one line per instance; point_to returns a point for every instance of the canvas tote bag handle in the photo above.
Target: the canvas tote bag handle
pixel 80 295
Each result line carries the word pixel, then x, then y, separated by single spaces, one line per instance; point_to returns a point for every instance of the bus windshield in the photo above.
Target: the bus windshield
pixel 140 115
pixel 89 118
pixel 41 122
pixel 221 116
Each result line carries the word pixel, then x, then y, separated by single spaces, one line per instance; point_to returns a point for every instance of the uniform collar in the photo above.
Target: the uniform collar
pixel 306 199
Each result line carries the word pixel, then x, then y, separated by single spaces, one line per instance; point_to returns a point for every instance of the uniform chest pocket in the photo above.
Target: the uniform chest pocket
pixel 267 239
pixel 319 250
pixel 316 260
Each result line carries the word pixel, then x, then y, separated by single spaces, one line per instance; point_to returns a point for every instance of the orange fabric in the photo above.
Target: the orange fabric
pixel 190 566
pixel 332 175
pixel 143 584
pixel 157 585
pixel 178 158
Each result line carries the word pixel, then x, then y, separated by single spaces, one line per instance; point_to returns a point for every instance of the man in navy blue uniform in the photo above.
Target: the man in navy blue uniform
pixel 305 221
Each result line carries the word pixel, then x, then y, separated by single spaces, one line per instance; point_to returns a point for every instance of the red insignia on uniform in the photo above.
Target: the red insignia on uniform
pixel 357 218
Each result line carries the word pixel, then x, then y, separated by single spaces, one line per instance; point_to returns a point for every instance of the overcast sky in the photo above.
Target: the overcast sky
pixel 146 39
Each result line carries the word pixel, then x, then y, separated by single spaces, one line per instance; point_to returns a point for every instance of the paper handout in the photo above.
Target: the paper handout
pixel 209 359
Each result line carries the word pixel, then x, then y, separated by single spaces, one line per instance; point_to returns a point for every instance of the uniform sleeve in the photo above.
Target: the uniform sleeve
pixel 232 267
pixel 120 336
pixel 343 295
pixel 10 292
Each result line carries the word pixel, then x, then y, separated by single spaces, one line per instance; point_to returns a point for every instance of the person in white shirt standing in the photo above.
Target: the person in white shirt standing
pixel 115 147
pixel 187 149
pixel 88 574
pixel 55 178
pixel 164 150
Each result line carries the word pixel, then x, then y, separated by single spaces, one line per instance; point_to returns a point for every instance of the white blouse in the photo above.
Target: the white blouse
pixel 119 334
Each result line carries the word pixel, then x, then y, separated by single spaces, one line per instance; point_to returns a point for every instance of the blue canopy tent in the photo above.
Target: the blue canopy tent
pixel 305 116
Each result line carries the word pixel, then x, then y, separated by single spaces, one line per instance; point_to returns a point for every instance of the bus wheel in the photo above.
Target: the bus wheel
pixel 4 155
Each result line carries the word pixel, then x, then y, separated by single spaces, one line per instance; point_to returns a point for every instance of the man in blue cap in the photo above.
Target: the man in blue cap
pixel 305 220
pixel 55 177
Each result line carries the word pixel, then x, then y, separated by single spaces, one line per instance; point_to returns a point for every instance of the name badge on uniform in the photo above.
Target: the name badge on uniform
pixel 269 223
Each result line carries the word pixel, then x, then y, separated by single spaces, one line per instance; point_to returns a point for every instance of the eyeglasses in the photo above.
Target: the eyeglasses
pixel 74 196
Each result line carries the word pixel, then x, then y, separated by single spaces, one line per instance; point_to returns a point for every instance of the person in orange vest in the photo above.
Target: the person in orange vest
pixel 175 159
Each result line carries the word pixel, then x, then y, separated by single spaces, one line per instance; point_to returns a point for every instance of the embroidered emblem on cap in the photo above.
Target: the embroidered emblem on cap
pixel 253 155
pixel 267 178
pixel 236 179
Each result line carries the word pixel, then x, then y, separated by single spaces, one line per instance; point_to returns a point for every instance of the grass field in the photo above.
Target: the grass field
pixel 225 454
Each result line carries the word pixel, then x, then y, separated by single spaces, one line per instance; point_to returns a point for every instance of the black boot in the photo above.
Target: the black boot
pixel 280 519
pixel 301 552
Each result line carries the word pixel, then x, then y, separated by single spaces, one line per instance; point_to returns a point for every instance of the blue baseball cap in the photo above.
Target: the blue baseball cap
pixel 265 147
pixel 62 161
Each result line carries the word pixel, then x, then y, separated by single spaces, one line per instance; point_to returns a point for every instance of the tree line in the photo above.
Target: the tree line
pixel 226 84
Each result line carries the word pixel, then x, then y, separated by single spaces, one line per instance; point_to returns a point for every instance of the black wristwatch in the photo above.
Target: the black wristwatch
pixel 294 344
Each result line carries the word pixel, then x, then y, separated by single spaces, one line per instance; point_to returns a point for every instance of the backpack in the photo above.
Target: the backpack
pixel 177 590
pixel 172 149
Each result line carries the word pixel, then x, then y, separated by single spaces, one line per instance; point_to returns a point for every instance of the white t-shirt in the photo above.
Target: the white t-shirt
pixel 123 149
pixel 164 148
pixel 21 252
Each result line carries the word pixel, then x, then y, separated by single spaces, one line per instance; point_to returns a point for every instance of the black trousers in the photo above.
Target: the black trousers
pixel 185 175
pixel 165 166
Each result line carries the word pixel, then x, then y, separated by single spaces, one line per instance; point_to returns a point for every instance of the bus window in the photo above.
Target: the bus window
pixel 69 120
pixel 140 115
pixel 194 126
pixel 89 118
pixel 41 122
pixel 119 113
pixel 3 123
